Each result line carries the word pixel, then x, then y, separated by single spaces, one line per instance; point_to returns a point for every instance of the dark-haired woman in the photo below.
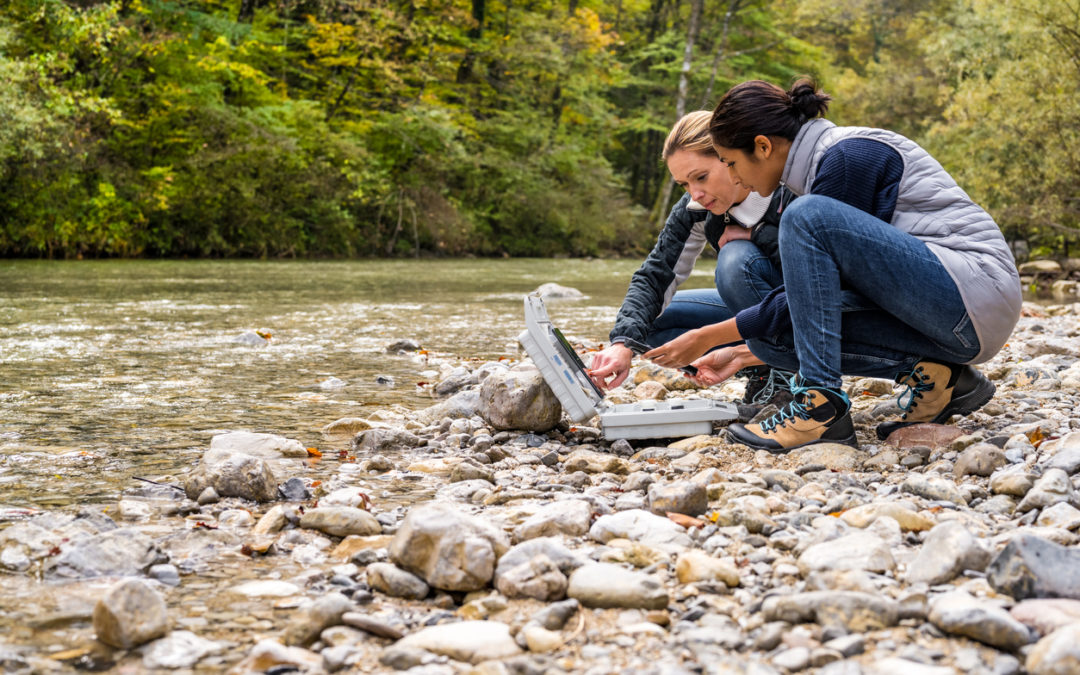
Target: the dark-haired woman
pixel 740 225
pixel 879 217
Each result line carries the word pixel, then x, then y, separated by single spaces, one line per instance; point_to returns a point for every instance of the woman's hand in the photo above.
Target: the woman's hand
pixel 719 365
pixel 682 350
pixel 613 363
pixel 731 233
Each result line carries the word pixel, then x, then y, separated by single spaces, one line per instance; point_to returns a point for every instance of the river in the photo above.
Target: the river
pixel 116 369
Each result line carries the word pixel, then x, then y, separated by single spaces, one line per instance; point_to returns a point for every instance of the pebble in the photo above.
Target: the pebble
pixel 933 488
pixel 468 641
pixel 852 610
pixel 179 649
pixel 947 550
pixel 1034 567
pixel 694 566
pixel 129 614
pixel 858 551
pixel 958 613
pixel 1056 654
pixel 571 517
pixel 340 521
pixel 395 582
pixel 607 585
pixel 448 549
pixel 686 497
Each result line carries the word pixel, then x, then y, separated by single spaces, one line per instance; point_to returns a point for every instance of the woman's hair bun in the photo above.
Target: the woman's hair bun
pixel 807 100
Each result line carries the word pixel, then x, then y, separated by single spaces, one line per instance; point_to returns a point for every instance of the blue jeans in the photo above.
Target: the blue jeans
pixel 744 276
pixel 828 246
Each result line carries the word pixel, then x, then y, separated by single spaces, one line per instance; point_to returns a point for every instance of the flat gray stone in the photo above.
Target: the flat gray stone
pixel 468 641
pixel 855 611
pixel 608 585
pixel 958 613
pixel 1033 567
pixel 947 551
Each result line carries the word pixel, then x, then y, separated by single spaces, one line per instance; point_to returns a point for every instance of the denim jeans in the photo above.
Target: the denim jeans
pixel 828 246
pixel 744 276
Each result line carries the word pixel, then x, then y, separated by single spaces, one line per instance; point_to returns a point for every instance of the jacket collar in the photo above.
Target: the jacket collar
pixel 799 164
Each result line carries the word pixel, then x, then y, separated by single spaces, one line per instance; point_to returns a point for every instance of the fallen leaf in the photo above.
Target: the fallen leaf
pixel 314 452
pixel 1036 436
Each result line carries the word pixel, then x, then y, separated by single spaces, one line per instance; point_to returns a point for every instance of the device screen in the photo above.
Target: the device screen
pixel 572 357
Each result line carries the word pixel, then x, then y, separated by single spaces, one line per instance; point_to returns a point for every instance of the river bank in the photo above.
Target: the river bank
pixel 436 542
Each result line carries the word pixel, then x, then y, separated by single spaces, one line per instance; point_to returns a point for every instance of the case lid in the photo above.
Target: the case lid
pixel 558 362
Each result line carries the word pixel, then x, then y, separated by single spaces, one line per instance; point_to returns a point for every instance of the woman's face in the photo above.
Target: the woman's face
pixel 707 180
pixel 759 170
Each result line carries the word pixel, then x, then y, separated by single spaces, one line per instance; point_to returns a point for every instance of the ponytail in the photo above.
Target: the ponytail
pixel 758 108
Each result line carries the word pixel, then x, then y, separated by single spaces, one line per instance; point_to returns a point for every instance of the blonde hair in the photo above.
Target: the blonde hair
pixel 690 133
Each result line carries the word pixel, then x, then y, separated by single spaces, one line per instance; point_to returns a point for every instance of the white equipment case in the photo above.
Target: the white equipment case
pixel 582 399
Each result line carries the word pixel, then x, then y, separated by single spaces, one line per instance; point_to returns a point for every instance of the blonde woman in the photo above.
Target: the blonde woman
pixel 740 224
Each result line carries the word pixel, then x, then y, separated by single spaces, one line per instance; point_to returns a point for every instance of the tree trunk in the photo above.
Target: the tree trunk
pixel 247 10
pixel 464 73
pixel 660 210
pixel 688 57
pixel 732 10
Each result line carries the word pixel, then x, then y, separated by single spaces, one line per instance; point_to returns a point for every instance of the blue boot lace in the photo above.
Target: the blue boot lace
pixel 797 407
pixel 779 380
pixel 915 383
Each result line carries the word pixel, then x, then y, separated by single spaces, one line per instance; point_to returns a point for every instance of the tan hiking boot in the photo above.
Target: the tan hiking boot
pixel 815 415
pixel 937 391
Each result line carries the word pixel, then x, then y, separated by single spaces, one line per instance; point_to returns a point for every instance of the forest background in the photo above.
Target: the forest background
pixel 280 128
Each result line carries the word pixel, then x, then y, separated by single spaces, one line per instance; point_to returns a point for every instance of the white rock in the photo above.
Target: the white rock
pixel 267 588
pixel 469 641
pixel 179 649
pixel 858 551
pixel 640 526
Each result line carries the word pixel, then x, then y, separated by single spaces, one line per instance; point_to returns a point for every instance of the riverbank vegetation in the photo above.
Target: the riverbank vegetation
pixel 488 127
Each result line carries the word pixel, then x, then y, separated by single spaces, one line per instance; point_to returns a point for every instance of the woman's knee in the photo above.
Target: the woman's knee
pixel 732 262
pixel 803 217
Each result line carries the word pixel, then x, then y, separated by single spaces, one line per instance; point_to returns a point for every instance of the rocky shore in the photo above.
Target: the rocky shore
pixel 452 540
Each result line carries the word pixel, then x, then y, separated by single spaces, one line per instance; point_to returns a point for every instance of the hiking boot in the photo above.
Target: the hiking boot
pixel 937 391
pixel 765 385
pixel 814 415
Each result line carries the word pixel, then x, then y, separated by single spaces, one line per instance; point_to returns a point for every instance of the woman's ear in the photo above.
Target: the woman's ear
pixel 763 147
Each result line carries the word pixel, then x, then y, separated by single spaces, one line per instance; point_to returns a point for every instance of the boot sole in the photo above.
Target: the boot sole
pixel 851 441
pixel 962 405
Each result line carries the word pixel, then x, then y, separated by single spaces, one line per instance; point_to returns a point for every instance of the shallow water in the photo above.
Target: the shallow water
pixel 115 369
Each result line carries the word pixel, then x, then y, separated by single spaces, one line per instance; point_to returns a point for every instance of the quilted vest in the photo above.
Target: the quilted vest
pixel 933 208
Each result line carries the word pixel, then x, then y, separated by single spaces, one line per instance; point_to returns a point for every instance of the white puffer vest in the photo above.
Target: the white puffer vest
pixel 933 208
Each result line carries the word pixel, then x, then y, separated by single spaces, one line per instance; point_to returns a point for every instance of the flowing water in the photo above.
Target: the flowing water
pixel 115 369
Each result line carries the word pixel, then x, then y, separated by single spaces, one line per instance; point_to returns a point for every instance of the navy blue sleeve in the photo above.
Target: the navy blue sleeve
pixel 765 319
pixel 861 172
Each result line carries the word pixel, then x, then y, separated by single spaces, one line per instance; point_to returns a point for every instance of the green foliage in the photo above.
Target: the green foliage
pixel 404 127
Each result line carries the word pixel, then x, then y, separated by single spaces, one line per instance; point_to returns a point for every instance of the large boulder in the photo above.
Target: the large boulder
pixel 519 399
pixel 448 549
pixel 243 464
pixel 239 475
